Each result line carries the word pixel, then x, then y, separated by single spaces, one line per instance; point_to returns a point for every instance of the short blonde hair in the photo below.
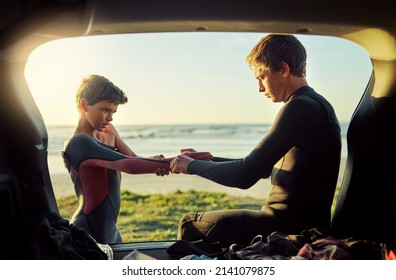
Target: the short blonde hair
pixel 96 88
pixel 274 49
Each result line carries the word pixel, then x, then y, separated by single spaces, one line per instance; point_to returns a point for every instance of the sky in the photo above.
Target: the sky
pixel 186 78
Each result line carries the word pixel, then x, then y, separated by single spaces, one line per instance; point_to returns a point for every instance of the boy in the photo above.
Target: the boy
pixel 301 153
pixel 94 156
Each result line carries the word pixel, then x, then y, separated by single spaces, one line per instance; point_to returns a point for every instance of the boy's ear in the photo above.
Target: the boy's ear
pixel 84 104
pixel 285 69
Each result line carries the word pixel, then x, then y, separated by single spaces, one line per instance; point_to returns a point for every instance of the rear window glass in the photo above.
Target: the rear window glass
pixel 185 90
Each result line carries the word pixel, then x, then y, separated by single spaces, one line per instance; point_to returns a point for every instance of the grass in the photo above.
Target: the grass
pixel 156 216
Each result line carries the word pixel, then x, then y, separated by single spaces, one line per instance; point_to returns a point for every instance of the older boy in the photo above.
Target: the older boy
pixel 301 153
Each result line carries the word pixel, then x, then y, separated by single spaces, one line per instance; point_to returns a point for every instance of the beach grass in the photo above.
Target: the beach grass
pixel 156 216
pixel 153 217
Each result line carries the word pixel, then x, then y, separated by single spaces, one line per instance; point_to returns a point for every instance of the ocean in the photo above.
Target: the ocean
pixel 224 140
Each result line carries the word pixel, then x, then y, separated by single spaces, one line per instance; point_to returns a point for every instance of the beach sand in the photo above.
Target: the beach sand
pixel 150 184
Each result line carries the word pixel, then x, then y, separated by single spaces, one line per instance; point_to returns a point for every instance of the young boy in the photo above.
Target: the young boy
pixel 94 156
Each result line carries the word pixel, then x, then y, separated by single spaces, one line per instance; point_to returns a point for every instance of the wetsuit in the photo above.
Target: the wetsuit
pixel 95 171
pixel 301 153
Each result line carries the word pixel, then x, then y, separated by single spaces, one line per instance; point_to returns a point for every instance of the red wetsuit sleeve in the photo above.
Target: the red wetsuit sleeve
pixel 130 165
pixel 95 180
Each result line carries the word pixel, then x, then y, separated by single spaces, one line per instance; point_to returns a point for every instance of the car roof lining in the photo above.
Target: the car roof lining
pixel 54 19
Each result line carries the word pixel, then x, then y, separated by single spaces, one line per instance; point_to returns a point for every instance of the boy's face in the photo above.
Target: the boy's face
pixel 100 114
pixel 271 83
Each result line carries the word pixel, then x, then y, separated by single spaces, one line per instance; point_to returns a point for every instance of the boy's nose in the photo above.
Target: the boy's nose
pixel 261 87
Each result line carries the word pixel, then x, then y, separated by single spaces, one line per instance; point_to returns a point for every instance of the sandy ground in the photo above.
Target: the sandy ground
pixel 150 183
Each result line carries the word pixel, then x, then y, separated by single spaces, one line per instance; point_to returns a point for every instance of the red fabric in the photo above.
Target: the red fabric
pixel 199 155
pixel 95 182
pixel 131 165
pixel 93 174
pixel 137 165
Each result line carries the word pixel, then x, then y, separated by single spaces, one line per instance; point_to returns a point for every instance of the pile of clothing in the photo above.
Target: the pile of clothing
pixel 312 244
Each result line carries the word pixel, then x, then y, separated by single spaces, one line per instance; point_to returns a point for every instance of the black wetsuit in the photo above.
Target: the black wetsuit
pixel 95 171
pixel 301 153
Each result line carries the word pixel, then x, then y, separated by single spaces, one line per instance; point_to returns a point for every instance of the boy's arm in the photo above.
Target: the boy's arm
pixel 120 145
pixel 141 165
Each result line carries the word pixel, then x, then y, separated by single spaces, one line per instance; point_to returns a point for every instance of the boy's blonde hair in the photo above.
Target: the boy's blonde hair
pixel 96 88
pixel 274 49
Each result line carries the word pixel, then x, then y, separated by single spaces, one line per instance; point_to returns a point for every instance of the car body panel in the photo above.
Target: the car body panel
pixel 25 183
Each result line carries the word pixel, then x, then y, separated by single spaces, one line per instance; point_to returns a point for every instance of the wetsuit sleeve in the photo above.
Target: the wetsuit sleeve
pixel 290 122
pixel 222 159
pixel 139 165
pixel 130 165
pixel 85 151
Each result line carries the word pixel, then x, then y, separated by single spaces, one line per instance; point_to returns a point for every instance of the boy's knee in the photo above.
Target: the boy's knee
pixel 189 228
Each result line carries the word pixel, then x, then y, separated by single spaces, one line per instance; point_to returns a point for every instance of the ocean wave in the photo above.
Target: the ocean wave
pixel 235 139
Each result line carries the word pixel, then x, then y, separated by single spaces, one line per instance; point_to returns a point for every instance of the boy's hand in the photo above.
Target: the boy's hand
pixel 161 172
pixel 180 163
pixel 182 151
pixel 161 157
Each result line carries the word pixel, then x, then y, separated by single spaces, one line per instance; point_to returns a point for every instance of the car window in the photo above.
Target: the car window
pixel 185 90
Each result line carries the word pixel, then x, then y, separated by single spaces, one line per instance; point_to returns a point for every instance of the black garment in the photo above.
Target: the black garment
pixel 50 237
pixel 103 188
pixel 95 170
pixel 301 153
